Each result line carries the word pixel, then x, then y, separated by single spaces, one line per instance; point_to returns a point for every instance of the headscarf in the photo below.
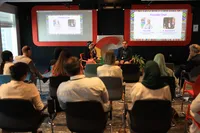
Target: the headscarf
pixel 152 77
pixel 160 60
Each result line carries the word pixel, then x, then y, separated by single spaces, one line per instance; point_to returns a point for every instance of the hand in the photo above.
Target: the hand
pixel 121 61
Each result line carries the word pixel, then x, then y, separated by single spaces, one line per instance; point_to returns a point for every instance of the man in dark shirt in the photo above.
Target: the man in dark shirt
pixel 124 54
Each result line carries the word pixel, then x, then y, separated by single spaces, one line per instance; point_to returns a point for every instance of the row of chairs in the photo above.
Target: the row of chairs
pixel 146 116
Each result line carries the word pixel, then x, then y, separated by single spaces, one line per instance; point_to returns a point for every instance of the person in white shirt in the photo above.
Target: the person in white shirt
pixel 148 24
pixel 109 68
pixel 17 88
pixel 152 87
pixel 25 58
pixel 7 61
pixel 80 88
pixel 194 111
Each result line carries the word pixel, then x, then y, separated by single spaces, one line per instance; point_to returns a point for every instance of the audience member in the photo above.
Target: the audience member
pixel 26 58
pixel 152 87
pixel 194 111
pixel 124 54
pixel 58 68
pixel 109 68
pixel 57 52
pixel 7 62
pixel 80 88
pixel 164 70
pixel 18 89
pixel 192 61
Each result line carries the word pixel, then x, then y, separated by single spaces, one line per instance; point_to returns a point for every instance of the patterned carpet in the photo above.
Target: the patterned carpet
pixel 117 127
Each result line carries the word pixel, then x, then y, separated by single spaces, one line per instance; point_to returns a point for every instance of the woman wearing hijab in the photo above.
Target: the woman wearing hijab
pixel 164 70
pixel 152 87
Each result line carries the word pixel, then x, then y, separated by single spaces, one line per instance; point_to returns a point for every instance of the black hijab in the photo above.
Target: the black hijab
pixel 152 77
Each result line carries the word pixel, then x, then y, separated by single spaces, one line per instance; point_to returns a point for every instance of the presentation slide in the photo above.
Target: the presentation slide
pixel 158 25
pixel 64 25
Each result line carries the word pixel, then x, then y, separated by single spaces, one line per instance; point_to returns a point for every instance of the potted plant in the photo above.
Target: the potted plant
pixel 137 59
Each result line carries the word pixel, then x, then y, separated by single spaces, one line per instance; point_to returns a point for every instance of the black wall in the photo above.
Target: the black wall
pixel 110 22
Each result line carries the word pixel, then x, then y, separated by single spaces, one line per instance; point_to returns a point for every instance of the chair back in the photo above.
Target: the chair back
pixel 196 86
pixel 85 116
pixel 171 82
pixel 4 79
pixel 171 66
pixel 18 115
pixel 54 82
pixel 91 70
pixel 151 116
pixel 131 72
pixel 114 87
pixel 194 73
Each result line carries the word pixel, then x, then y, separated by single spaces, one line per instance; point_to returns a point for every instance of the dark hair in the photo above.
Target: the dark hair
pixel 57 52
pixel 72 66
pixel 18 70
pixel 88 43
pixel 5 55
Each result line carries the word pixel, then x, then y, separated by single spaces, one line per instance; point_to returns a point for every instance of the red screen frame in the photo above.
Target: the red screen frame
pixel 63 43
pixel 158 43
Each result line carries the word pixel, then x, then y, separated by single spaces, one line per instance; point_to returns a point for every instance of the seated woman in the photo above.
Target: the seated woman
pixel 90 59
pixel 17 88
pixel 194 111
pixel 58 68
pixel 91 49
pixel 109 68
pixel 152 86
pixel 7 61
pixel 164 70
pixel 57 52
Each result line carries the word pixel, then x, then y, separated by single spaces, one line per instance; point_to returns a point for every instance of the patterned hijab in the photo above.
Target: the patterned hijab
pixel 160 60
pixel 152 77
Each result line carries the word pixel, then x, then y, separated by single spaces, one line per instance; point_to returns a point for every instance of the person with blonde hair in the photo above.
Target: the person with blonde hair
pixel 58 68
pixel 164 70
pixel 192 61
pixel 109 68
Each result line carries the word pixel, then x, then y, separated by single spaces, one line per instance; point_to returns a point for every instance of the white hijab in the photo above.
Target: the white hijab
pixel 160 60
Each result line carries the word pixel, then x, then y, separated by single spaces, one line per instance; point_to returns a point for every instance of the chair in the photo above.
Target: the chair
pixel 91 70
pixel 171 82
pixel 86 117
pixel 192 92
pixel 151 116
pixel 131 73
pixel 114 87
pixel 4 79
pixel 54 82
pixel 189 117
pixel 17 115
pixel 171 66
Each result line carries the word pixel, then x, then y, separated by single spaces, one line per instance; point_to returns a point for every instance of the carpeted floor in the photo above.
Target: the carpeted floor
pixel 117 127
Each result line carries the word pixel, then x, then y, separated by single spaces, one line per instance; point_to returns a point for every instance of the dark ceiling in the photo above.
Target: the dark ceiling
pixel 96 4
